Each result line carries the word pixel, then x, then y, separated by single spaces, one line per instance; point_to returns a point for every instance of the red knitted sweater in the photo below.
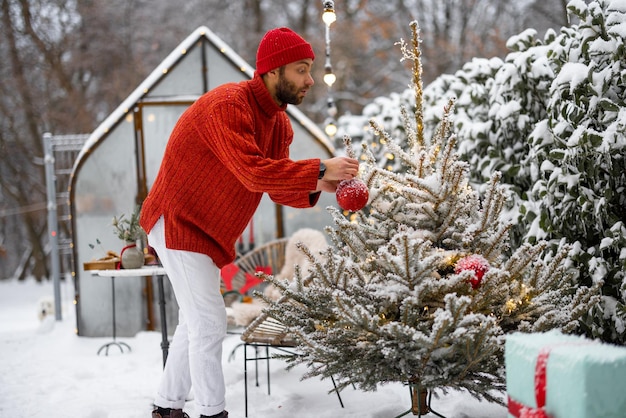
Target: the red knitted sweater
pixel 226 150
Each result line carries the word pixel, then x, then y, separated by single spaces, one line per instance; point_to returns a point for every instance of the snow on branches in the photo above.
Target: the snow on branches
pixel 388 304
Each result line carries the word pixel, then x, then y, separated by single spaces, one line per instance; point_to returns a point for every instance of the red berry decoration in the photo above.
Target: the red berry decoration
pixel 476 263
pixel 352 194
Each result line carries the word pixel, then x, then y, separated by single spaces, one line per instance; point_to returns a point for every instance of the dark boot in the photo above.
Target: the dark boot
pixel 168 413
pixel 223 414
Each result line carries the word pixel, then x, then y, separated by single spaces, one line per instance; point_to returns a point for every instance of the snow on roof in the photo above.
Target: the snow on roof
pixel 143 89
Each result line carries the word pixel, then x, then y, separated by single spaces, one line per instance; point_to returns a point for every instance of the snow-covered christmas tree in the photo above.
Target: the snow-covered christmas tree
pixel 418 288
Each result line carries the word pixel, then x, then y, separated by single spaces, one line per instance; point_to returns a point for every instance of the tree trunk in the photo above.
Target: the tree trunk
pixel 419 405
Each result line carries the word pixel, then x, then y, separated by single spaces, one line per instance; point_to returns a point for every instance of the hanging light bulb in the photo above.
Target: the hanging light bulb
pixel 331 128
pixel 332 109
pixel 329 15
pixel 329 76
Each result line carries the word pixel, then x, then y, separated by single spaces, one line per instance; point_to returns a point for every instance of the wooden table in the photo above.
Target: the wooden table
pixel 154 271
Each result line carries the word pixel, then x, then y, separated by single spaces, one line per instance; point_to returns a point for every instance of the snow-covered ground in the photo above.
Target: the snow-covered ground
pixel 48 371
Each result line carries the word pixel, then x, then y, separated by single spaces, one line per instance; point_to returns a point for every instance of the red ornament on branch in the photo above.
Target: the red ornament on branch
pixel 352 194
pixel 476 263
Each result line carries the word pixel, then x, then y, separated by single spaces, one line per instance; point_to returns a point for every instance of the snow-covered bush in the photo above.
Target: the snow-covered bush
pixel 551 118
pixel 578 156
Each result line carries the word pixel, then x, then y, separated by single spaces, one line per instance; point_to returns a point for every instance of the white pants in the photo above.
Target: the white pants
pixel 195 355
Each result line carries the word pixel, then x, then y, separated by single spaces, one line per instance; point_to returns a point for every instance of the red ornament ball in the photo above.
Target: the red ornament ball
pixel 476 263
pixel 352 194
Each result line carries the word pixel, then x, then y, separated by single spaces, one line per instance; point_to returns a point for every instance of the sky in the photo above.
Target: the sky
pixel 46 370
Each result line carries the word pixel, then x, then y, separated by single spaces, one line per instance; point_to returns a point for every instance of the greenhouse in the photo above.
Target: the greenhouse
pixel 119 161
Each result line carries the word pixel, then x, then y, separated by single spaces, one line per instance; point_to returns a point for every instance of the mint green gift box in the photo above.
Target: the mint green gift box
pixel 584 378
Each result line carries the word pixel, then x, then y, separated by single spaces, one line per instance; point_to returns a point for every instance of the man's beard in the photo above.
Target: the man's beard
pixel 286 91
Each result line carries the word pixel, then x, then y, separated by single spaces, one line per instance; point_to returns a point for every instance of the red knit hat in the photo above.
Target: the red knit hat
pixel 279 47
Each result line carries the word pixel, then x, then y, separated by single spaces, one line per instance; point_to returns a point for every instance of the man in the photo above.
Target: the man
pixel 227 149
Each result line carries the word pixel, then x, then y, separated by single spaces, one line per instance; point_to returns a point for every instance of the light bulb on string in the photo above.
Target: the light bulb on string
pixel 332 109
pixel 331 128
pixel 329 76
pixel 329 16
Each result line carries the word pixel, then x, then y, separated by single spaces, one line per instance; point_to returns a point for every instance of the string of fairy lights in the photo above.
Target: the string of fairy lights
pixel 329 17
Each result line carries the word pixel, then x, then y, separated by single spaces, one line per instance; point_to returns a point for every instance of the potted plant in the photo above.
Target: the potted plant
pixel 129 231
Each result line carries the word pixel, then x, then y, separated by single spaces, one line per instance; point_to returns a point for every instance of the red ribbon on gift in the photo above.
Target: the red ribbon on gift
pixel 520 410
